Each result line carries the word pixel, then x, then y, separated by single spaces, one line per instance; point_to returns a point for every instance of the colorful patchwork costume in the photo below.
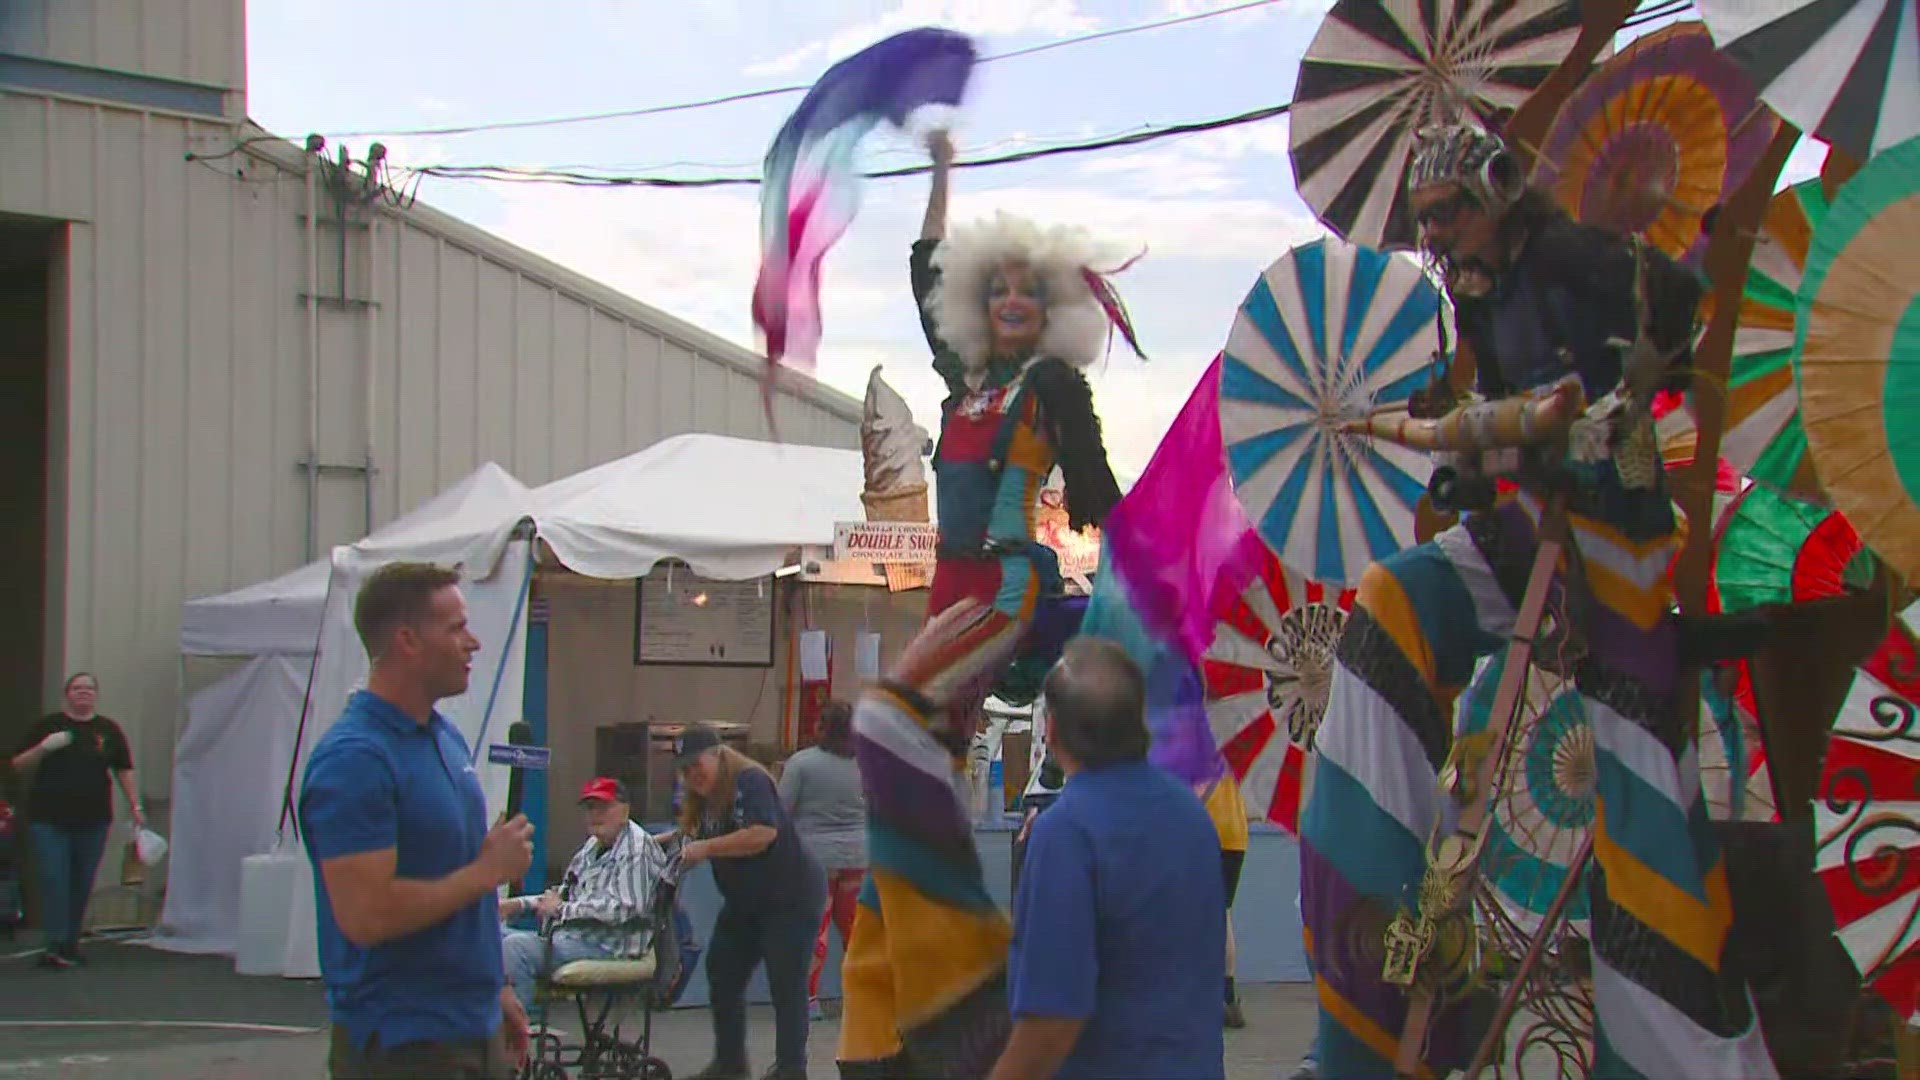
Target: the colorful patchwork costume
pixel 924 972
pixel 1657 887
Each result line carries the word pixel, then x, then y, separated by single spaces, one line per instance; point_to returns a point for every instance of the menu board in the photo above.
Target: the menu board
pixel 685 619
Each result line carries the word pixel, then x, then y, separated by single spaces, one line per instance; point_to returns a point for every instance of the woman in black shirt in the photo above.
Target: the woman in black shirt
pixel 772 894
pixel 76 756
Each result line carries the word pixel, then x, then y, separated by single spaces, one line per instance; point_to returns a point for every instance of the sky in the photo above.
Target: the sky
pixel 1212 210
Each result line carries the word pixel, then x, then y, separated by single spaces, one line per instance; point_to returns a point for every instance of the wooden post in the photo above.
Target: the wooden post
pixel 1727 256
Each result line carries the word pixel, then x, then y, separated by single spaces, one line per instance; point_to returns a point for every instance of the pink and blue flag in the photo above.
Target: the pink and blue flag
pixel 1175 549
pixel 810 186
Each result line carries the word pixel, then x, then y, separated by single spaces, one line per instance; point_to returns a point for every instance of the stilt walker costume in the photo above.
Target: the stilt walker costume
pixel 1557 315
pixel 1012 312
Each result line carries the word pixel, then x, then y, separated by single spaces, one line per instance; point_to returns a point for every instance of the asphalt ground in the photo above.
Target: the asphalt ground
pixel 131 1011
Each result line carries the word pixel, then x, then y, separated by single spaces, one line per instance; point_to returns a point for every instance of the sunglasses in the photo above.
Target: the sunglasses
pixel 1443 212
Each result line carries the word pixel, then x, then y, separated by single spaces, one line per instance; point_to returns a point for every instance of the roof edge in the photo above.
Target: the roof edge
pixel 260 142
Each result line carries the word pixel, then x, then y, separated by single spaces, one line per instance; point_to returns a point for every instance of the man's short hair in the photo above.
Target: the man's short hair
pixel 398 594
pixel 1097 704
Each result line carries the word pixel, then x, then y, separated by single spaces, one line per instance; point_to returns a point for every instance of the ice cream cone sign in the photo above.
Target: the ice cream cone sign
pixel 896 478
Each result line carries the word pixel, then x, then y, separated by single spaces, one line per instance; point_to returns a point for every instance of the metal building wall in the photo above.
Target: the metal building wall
pixel 193 42
pixel 181 355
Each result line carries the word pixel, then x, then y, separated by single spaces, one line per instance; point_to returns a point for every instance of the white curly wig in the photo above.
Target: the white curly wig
pixel 1077 328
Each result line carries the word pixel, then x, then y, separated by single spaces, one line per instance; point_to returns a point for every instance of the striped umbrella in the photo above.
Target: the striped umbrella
pixel 1857 354
pixel 1379 70
pixel 1330 332
pixel 1267 673
pixel 1655 138
pixel 1846 70
pixel 1763 437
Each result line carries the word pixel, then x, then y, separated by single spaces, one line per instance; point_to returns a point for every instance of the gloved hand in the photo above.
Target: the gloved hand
pixel 59 740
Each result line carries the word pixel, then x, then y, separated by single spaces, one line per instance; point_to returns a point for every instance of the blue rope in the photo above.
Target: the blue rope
pixel 506 650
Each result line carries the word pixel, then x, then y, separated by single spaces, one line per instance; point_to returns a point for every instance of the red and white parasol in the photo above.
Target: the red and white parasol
pixel 1268 672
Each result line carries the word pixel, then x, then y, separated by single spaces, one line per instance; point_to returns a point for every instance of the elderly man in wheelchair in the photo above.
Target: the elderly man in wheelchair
pixel 602 933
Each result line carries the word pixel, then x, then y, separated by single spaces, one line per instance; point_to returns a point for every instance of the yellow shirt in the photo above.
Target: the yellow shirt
pixel 1229 813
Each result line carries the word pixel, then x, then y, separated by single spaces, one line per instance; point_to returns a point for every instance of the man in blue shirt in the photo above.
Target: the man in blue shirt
pixel 406 871
pixel 1119 931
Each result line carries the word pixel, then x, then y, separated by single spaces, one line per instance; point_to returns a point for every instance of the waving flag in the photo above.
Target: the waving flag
pixel 811 188
pixel 1176 545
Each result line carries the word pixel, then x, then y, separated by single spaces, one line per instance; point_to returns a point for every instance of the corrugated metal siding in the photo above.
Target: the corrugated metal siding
pixel 186 373
pixel 199 41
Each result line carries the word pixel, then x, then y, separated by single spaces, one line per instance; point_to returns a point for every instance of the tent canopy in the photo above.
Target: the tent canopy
pixel 730 508
pixel 281 617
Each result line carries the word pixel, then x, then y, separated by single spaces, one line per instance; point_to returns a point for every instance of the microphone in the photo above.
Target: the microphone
pixel 520 734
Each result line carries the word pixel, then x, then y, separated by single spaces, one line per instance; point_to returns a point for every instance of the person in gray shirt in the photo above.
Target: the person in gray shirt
pixel 821 787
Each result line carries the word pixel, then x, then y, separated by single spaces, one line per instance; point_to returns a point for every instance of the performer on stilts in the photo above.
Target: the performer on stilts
pixel 1013 312
pixel 1557 316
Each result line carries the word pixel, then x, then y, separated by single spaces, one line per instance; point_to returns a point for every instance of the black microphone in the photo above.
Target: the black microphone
pixel 520 734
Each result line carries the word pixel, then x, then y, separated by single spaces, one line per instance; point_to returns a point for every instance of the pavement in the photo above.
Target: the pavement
pixel 134 1011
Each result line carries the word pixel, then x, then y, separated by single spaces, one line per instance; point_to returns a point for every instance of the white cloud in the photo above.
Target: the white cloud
pixel 695 255
pixel 1209 163
pixel 987 18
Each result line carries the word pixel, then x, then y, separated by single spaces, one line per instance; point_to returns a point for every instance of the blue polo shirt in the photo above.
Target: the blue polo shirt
pixel 1121 920
pixel 378 779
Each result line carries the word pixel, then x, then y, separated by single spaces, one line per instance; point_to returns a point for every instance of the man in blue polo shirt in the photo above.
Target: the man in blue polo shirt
pixel 406 871
pixel 1119 923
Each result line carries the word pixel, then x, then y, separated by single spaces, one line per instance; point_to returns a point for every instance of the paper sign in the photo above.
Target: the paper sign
pixel 519 757
pixel 866 656
pixel 813 656
pixel 885 541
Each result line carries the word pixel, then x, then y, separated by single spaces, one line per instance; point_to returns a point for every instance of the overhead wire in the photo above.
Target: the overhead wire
pixel 782 91
pixel 585 178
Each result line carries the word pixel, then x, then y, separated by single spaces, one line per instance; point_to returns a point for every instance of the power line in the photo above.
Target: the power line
pixel 781 91
pixel 584 178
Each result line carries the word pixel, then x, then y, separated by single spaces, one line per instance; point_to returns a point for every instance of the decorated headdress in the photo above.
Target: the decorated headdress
pixel 1083 309
pixel 1470 156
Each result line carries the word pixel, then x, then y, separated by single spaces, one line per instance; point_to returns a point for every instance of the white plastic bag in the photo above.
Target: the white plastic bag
pixel 150 846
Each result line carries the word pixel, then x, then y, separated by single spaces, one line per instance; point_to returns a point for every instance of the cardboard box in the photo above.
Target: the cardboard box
pixel 1016 754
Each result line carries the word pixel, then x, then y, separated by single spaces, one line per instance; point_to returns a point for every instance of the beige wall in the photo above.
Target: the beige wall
pixel 593 681
pixel 202 42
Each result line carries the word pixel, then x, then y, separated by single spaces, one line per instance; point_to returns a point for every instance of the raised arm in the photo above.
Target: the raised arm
pixel 923 274
pixel 934 225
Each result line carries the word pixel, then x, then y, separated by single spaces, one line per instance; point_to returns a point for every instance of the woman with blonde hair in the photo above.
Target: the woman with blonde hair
pixel 772 893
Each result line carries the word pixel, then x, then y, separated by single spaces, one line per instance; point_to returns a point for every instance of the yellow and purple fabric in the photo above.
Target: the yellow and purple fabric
pixel 1657 889
pixel 811 185
pixel 1177 548
pixel 924 972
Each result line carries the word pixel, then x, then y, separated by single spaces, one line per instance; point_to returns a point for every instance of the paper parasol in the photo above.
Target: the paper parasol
pixel 1733 759
pixel 1655 138
pixel 1546 799
pixel 1763 437
pixel 1846 70
pixel 1377 72
pixel 1268 673
pixel 1329 332
pixel 1867 836
pixel 1776 549
pixel 1857 354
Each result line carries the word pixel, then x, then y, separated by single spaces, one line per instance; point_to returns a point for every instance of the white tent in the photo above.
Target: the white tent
pixel 229 770
pixel 281 617
pixel 733 509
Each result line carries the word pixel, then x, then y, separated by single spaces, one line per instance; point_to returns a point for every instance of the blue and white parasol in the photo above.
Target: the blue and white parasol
pixel 1330 332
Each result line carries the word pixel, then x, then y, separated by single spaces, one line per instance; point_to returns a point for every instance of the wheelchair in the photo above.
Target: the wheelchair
pixel 599 990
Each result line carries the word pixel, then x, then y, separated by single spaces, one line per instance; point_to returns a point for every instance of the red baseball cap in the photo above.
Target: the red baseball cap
pixel 604 789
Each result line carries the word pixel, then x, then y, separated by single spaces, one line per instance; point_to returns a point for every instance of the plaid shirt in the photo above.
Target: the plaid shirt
pixel 611 891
